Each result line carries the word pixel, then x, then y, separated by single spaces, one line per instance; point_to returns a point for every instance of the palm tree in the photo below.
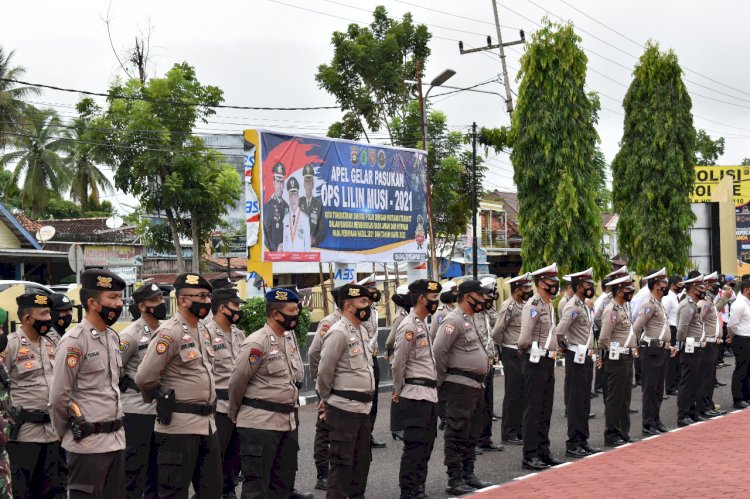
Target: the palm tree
pixel 36 147
pixel 11 97
pixel 86 178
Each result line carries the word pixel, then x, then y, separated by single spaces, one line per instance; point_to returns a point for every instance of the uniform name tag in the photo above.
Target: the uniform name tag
pixel 689 345
pixel 614 350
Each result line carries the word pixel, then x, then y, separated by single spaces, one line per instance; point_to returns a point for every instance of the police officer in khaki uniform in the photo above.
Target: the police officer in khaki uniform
pixel 62 316
pixel 177 372
pixel 600 381
pixel 448 297
pixel 84 398
pixel 403 305
pixel 654 339
pixel 414 388
pixel 568 293
pixel 227 339
pixel 506 332
pixel 538 344
pixel 36 463
pixel 346 386
pixel 711 307
pixel 372 327
pixel 690 335
pixel 576 330
pixel 275 210
pixel 461 366
pixel 263 398
pixel 484 322
pixel 321 445
pixel 618 346
pixel 140 451
pixel 312 206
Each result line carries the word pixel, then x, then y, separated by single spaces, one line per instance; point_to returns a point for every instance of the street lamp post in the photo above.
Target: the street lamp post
pixel 439 80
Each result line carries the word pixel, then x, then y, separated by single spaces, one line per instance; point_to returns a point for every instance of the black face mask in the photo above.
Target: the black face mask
pixel 702 295
pixel 238 315
pixel 525 295
pixel 198 309
pixel 42 326
pixel 432 306
pixel 448 297
pixel 628 296
pixel 159 312
pixel 588 292
pixel 476 306
pixel 62 323
pixel 552 290
pixel 679 289
pixel 289 322
pixel 110 314
pixel 488 303
pixel 363 313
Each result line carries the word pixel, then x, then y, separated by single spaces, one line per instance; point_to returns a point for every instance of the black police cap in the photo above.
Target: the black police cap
pixel 292 185
pixel 146 292
pixel 221 282
pixel 34 300
pixel 471 286
pixel 61 302
pixel 423 286
pixel 101 280
pixel 308 171
pixel 192 280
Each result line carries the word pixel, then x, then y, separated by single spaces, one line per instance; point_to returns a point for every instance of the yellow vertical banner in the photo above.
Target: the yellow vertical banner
pixel 255 261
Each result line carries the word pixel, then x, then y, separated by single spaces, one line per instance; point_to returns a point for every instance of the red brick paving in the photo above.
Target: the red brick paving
pixel 704 460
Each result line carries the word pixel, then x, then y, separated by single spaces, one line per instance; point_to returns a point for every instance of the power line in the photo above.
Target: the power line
pixel 454 15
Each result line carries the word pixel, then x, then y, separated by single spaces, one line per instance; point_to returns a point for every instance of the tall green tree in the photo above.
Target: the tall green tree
pixel 87 180
pixel 157 158
pixel 368 72
pixel 11 97
pixel 653 171
pixel 36 153
pixel 554 144
pixel 707 150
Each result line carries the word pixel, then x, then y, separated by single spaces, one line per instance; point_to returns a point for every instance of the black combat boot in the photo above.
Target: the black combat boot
pixel 322 483
pixel 456 484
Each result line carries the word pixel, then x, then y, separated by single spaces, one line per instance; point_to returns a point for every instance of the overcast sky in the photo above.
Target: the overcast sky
pixel 265 53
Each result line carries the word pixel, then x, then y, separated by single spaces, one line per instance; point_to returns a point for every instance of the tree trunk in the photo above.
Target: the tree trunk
pixel 194 226
pixel 176 241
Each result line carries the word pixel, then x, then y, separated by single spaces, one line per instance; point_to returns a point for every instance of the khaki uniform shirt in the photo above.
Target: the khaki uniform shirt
pixel 481 324
pixel 598 311
pixel 508 326
pixel 439 316
pixel 134 341
pixel 575 323
pixel 458 345
pixel 226 347
pixel 564 300
pixel 265 370
pixel 371 327
pixel 616 327
pixel 413 358
pixel 537 323
pixel 30 369
pixel 53 336
pixel 652 321
pixel 710 316
pixel 345 364
pixel 87 372
pixel 181 358
pixel 316 345
pixel 689 321
pixel 391 340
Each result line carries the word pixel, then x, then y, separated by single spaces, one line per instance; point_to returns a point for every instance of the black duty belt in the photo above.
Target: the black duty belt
pixel 479 378
pixel 199 409
pixel 268 406
pixel 430 383
pixel 34 416
pixel 107 426
pixel 352 395
pixel 222 394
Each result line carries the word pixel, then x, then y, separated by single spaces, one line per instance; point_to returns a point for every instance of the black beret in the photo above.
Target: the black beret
pixel 423 286
pixel 221 282
pixel 190 280
pixel 281 295
pixel 34 300
pixel 471 286
pixel 374 294
pixel 226 294
pixel 101 280
pixel 146 292
pixel 352 291
pixel 61 302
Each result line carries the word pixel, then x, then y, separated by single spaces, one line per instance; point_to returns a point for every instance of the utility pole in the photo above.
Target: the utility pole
pixel 474 241
pixel 500 46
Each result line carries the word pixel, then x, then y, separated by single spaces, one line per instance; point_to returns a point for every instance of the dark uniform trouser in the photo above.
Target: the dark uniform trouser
pixel 141 470
pixel 374 409
pixel 37 469
pixel 489 402
pixel 186 458
pixel 577 385
pixel 269 462
pixel 539 393
pixel 654 362
pixel 397 420
pixel 321 444
pixel 690 379
pixel 464 416
pixel 98 476
pixel 229 447
pixel 617 400
pixel 350 452
pixel 672 372
pixel 637 368
pixel 420 430
pixel 705 395
pixel 513 398
pixel 741 374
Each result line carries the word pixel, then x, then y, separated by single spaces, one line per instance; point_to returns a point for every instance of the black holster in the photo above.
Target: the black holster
pixel 165 405
pixel 127 382
pixel 80 428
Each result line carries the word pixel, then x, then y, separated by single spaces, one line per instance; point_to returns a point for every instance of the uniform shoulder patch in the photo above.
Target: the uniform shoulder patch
pixel 574 314
pixel 646 310
pixel 408 336
pixel 124 345
pixel 162 345
pixel 449 328
pixel 254 356
pixel 533 313
pixel 613 317
pixel 72 358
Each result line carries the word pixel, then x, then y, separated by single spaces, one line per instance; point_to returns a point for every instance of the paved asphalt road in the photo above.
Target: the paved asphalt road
pixel 496 467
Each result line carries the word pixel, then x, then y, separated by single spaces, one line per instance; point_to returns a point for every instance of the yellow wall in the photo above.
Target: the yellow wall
pixel 255 261
pixel 7 238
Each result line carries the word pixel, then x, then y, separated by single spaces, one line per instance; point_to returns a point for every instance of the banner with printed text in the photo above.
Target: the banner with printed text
pixel 329 200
